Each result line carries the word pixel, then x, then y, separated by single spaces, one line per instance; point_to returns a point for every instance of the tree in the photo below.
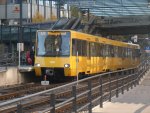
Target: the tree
pixel 38 18
pixel 74 11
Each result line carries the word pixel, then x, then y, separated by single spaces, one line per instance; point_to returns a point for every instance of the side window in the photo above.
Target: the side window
pixel 79 47
pixel 74 47
pixel 120 51
pixel 84 46
pixel 126 52
pixel 102 50
pixel 111 50
pixel 107 50
pixel 129 52
pixel 97 49
pixel 123 52
pixel 88 50
pixel 116 51
pixel 93 49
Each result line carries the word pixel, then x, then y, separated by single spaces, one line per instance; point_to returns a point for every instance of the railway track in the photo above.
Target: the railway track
pixel 22 90
pixel 44 100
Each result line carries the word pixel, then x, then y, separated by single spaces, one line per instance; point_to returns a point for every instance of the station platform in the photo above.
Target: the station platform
pixel 136 100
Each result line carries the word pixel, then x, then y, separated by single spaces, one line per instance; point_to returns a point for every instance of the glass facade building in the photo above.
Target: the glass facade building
pixel 10 36
pixel 46 9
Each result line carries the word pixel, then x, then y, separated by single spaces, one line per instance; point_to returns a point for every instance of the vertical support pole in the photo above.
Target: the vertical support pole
pixel 0 34
pixel 127 80
pixel 10 44
pixel 101 92
pixel 52 103
pixel 38 5
pixel 68 10
pixel 117 84
pixel 122 75
pixel 30 44
pixel 44 4
pixel 132 78
pixel 77 60
pixel 31 11
pixel 6 9
pixel 20 12
pixel 74 106
pixel 135 77
pixel 19 55
pixel 110 88
pixel 19 108
pixel 20 38
pixel 88 14
pixel 138 72
pixel 51 9
pixel 90 97
pixel 58 9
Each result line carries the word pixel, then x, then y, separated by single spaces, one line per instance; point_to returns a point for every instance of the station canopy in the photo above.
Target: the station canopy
pixel 113 8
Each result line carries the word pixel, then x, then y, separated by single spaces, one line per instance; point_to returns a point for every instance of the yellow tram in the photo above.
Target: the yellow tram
pixel 68 53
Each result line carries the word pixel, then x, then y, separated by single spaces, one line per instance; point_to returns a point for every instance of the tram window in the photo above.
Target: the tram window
pixel 129 52
pixel 74 47
pixel 97 49
pixel 123 52
pixel 119 51
pixel 102 50
pixel 111 51
pixel 126 52
pixel 115 51
pixel 133 53
pixel 93 52
pixel 88 50
pixel 106 50
pixel 84 50
pixel 79 47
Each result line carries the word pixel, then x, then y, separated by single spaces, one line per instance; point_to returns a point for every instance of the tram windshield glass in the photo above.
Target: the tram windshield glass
pixel 53 43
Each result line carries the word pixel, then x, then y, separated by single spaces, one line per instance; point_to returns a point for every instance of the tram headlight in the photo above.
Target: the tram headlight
pixel 67 65
pixel 37 65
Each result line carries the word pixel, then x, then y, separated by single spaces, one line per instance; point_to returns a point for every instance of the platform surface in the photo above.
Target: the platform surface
pixel 136 100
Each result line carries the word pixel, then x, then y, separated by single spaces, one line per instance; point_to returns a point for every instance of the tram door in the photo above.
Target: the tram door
pixel 88 58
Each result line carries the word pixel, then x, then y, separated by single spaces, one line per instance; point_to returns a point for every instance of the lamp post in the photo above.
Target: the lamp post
pixel 31 10
pixel 20 37
pixel 58 9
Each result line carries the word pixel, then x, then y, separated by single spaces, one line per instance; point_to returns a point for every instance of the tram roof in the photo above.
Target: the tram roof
pixel 113 8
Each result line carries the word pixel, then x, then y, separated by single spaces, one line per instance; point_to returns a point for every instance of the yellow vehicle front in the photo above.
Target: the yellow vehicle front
pixel 52 56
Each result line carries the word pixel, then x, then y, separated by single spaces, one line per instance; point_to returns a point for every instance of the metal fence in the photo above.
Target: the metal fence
pixel 124 79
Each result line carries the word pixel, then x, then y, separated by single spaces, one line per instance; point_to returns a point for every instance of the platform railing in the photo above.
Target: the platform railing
pixel 7 59
pixel 11 59
pixel 124 80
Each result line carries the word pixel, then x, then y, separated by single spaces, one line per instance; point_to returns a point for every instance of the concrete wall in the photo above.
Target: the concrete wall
pixel 12 76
